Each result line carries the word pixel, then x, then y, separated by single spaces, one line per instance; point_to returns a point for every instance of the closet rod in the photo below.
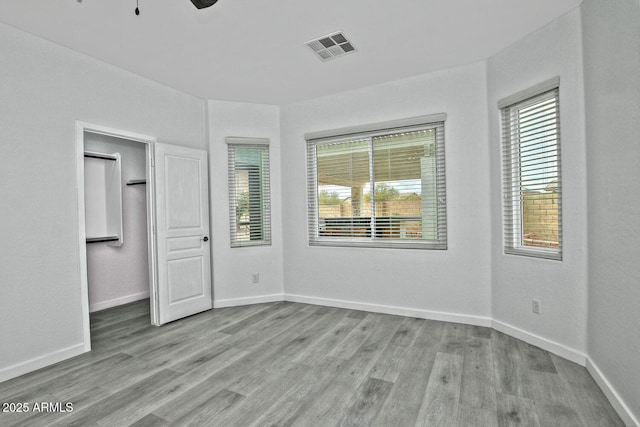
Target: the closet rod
pixel 100 156
pixel 102 239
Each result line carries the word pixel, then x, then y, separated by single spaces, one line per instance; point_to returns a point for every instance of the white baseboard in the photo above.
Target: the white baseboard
pixel 40 362
pixel 390 309
pixel 118 301
pixel 616 401
pixel 558 349
pixel 233 302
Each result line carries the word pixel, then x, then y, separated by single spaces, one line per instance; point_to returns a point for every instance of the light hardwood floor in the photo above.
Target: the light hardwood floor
pixel 304 365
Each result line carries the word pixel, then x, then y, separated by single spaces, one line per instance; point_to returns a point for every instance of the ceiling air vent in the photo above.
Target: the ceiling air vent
pixel 332 45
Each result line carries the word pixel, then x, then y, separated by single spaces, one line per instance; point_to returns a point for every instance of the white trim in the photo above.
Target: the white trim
pixel 239 140
pixel 395 310
pixel 619 405
pixel 82 238
pixel 40 362
pixel 117 133
pixel 558 349
pixel 118 301
pixel 536 90
pixel 151 227
pixel 81 128
pixel 376 127
pixel 259 299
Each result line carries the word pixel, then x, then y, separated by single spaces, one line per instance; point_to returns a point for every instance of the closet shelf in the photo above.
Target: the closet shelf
pixel 104 156
pixel 102 239
pixel 137 182
pixel 103 197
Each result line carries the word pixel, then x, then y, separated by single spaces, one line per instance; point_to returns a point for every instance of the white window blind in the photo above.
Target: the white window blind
pixel 249 192
pixel 379 188
pixel 532 190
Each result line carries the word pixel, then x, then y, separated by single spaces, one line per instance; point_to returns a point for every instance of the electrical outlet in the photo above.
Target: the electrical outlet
pixel 255 278
pixel 535 305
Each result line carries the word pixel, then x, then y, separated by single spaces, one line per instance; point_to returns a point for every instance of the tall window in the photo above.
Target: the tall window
pixel 249 194
pixel 379 185
pixel 531 172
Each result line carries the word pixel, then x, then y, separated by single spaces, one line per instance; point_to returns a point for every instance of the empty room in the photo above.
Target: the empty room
pixel 251 213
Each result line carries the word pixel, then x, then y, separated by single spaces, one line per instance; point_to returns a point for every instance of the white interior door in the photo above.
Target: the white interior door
pixel 182 233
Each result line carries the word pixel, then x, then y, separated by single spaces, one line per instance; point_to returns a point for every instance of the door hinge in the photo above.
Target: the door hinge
pixel 155 231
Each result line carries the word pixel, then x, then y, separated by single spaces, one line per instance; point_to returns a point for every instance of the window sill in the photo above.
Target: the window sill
pixel 550 254
pixel 378 243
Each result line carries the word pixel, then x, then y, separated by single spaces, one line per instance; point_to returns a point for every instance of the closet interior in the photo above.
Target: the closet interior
pixel 115 220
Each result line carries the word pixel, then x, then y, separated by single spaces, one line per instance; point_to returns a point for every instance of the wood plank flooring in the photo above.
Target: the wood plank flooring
pixel 290 364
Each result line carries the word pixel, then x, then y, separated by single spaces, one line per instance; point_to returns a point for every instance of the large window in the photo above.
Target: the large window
pixel 249 196
pixel 379 185
pixel 531 172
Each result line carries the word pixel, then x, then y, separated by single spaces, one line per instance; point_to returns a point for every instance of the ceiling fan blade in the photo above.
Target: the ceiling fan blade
pixel 201 4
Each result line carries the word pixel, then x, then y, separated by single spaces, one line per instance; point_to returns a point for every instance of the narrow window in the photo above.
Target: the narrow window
pixel 531 173
pixel 379 185
pixel 249 194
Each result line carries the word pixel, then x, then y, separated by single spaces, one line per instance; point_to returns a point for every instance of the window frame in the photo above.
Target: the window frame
pixel 370 131
pixel 261 145
pixel 512 207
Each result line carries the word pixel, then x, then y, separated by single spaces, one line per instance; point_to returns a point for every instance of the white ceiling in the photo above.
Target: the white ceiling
pixel 254 50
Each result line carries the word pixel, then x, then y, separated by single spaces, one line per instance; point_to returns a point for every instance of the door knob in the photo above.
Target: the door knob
pixel 205 238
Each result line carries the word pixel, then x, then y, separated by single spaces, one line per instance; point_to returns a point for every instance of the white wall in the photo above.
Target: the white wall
pixel 612 94
pixel 120 274
pixel 429 282
pixel 44 89
pixel 233 267
pixel 554 50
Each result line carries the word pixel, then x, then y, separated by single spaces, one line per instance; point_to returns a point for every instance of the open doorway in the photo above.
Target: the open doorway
pixel 115 221
pixel 115 207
